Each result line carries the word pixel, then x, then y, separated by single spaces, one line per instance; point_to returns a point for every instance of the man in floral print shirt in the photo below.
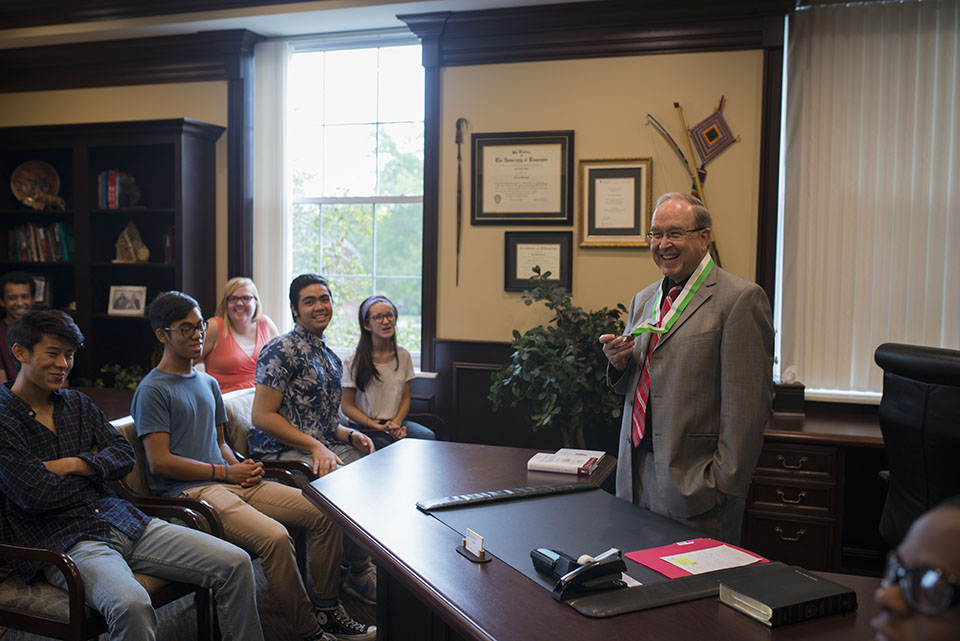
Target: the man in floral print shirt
pixel 297 402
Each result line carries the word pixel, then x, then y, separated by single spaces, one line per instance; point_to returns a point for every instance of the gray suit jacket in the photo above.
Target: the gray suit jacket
pixel 711 387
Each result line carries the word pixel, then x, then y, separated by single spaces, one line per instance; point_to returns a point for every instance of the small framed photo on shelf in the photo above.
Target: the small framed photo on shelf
pixel 127 300
pixel 615 202
pixel 522 178
pixel 43 299
pixel 551 251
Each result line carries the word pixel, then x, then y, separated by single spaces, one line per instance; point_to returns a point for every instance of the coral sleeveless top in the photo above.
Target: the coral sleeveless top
pixel 229 363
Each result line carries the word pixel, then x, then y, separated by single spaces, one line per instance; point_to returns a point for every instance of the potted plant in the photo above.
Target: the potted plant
pixel 558 370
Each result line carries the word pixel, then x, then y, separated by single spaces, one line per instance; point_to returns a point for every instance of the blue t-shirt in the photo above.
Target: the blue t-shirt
pixel 189 408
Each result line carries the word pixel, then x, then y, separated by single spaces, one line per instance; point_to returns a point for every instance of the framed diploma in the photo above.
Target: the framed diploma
pixel 522 178
pixel 551 251
pixel 615 202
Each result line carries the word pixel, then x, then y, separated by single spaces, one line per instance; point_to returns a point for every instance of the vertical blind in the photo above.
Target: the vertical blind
pixel 870 218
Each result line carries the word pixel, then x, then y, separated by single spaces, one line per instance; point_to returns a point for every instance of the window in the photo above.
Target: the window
pixel 355 159
pixel 869 223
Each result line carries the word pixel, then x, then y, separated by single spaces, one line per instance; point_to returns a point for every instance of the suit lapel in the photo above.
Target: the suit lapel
pixel 702 296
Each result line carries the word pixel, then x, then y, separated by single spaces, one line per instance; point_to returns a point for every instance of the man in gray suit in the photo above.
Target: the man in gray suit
pixel 697 379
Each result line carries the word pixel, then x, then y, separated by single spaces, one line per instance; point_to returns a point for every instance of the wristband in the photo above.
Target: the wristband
pixel 213 472
pixel 350 437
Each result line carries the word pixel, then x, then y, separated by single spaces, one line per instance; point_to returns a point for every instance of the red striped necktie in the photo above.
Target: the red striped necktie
pixel 643 385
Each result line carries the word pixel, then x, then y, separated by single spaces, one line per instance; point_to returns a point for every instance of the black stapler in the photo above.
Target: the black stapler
pixel 574 578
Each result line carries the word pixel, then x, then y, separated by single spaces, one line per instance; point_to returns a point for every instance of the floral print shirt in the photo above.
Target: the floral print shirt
pixel 299 365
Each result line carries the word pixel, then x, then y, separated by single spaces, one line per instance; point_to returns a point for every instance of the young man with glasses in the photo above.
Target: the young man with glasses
pixel 919 597
pixel 180 415
pixel 697 380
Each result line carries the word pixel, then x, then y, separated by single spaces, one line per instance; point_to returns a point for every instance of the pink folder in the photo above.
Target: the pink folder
pixel 652 558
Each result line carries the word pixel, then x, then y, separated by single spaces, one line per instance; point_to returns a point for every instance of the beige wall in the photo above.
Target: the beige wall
pixel 604 101
pixel 204 101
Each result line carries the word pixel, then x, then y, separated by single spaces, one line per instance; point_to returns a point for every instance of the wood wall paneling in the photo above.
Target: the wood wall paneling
pixel 15 15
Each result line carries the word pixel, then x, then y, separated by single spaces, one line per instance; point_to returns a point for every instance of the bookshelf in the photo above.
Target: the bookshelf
pixel 173 163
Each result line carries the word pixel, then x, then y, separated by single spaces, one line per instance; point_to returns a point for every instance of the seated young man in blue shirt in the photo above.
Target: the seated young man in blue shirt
pixel 180 416
pixel 56 451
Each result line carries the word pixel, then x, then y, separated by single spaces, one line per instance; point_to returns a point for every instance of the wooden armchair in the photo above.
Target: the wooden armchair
pixel 134 486
pixel 41 608
pixel 239 407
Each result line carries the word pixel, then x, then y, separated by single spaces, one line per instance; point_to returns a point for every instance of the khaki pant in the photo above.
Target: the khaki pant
pixel 255 518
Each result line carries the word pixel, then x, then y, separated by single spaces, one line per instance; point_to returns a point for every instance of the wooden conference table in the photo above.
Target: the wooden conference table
pixel 428 591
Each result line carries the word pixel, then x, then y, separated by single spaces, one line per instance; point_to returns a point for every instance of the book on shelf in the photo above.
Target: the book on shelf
pixel 567 461
pixel 32 243
pixel 776 594
pixel 116 190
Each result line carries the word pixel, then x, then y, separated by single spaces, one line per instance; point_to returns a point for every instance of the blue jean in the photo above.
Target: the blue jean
pixel 171 552
pixel 382 439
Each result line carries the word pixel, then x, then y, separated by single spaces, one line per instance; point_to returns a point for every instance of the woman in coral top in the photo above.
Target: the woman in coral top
pixel 236 335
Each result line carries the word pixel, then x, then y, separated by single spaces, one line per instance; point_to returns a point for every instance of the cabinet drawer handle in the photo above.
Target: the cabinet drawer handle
pixel 783 462
pixel 784 499
pixel 792 539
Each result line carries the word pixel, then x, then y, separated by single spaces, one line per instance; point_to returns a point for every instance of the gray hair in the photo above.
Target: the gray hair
pixel 701 217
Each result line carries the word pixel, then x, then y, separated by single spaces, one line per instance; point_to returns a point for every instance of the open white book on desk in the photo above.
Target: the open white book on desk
pixel 566 460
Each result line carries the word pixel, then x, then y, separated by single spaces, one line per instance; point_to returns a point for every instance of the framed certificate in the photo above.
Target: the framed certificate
pixel 615 202
pixel 551 251
pixel 522 178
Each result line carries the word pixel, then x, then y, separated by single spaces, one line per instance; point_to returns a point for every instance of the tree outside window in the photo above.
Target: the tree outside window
pixel 356 140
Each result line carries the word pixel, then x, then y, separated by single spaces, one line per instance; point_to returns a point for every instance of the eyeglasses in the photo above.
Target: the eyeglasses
pixel 388 317
pixel 187 329
pixel 673 234
pixel 926 589
pixel 236 299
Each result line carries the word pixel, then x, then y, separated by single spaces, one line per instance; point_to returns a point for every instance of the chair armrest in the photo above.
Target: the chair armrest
pixel 71 574
pixel 293 466
pixel 432 421
pixel 213 523
pixel 281 473
pixel 283 470
pixel 190 518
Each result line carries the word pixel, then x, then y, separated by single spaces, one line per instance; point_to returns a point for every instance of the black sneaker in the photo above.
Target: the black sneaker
pixel 341 625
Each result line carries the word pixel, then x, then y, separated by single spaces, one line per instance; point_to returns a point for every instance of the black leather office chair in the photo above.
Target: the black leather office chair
pixel 920 421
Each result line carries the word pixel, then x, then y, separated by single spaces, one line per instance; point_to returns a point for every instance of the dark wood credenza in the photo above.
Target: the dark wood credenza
pixel 816 496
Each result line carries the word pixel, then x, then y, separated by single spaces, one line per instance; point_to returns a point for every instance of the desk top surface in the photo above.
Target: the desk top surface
pixel 826 424
pixel 374 499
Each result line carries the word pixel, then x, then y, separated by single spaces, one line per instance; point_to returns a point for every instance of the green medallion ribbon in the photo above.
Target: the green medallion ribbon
pixel 658 325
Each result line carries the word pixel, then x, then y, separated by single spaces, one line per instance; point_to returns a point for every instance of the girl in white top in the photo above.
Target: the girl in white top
pixel 376 378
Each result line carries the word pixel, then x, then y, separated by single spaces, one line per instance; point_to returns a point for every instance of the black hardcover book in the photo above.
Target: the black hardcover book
pixel 776 594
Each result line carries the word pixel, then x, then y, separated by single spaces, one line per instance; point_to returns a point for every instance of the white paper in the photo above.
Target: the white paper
pixel 629 580
pixel 615 201
pixel 710 559
pixel 530 255
pixel 474 543
pixel 522 179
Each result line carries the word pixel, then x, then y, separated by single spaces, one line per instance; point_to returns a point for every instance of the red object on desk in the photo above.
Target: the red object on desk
pixel 653 558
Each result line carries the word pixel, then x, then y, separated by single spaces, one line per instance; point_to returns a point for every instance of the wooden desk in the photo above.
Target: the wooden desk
pixel 428 591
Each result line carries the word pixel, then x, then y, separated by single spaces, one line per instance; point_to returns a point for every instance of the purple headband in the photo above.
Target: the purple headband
pixel 367 304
